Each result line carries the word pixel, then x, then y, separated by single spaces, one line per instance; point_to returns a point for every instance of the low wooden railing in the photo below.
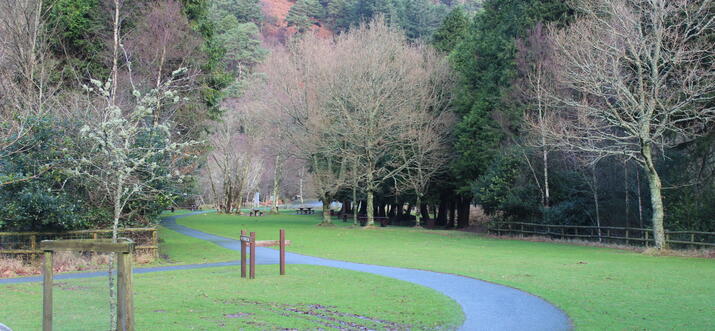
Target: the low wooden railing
pixel 27 243
pixel 611 234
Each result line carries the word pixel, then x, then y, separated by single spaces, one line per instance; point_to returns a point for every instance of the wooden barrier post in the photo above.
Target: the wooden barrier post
pixel 155 243
pixel 125 306
pixel 47 292
pixel 243 254
pixel 125 297
pixel 33 246
pixel 283 251
pixel 253 256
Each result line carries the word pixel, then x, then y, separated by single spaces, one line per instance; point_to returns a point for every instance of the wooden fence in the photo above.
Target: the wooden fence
pixel 609 234
pixel 28 243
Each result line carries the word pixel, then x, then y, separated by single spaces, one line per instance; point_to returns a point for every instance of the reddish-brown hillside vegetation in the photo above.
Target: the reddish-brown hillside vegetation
pixel 276 29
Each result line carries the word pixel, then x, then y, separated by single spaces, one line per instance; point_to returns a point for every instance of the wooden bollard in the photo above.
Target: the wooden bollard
pixel 243 254
pixel 283 251
pixel 253 256
pixel 47 292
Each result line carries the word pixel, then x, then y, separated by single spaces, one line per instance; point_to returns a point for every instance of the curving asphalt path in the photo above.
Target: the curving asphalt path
pixel 486 306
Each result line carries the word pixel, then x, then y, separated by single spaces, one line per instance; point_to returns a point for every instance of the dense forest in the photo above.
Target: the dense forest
pixel 579 112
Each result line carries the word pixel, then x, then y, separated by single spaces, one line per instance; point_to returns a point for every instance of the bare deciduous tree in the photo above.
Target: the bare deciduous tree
pixel 425 147
pixel 235 164
pixel 161 42
pixel 296 83
pixel 356 105
pixel 385 94
pixel 635 77
pixel 534 60
pixel 26 90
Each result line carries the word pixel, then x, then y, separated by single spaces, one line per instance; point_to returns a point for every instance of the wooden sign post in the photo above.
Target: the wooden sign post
pixel 125 297
pixel 282 245
pixel 244 240
pixel 251 242
pixel 253 256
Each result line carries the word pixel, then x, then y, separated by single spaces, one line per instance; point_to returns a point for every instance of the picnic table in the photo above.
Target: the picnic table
pixel 305 211
pixel 255 212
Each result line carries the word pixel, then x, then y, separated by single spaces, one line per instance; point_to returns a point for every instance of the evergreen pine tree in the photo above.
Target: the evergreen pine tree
pixel 452 31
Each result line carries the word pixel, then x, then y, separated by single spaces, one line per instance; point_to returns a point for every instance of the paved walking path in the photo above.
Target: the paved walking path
pixel 486 306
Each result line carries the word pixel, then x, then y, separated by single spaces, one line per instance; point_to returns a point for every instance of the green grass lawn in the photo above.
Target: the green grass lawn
pixel 176 248
pixel 599 288
pixel 308 297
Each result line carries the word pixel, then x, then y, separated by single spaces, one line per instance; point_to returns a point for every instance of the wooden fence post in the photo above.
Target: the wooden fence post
pixel 33 246
pixel 283 251
pixel 155 242
pixel 47 274
pixel 125 315
pixel 243 255
pixel 646 238
pixel 252 274
pixel 628 242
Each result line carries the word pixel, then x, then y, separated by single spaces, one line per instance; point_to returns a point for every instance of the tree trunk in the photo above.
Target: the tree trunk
pixel 327 220
pixel 640 198
pixel 356 209
pixel 595 202
pixel 424 211
pixel 418 214
pixel 115 233
pixel 276 184
pixel 656 198
pixel 442 214
pixel 393 210
pixel 452 213
pixel 346 208
pixel 463 213
pixel 239 204
pixel 370 208
pixel 301 189
pixel 363 207
pixel 545 156
pixel 625 187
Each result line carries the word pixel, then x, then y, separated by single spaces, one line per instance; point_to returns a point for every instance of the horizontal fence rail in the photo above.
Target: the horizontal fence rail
pixel 611 234
pixel 28 243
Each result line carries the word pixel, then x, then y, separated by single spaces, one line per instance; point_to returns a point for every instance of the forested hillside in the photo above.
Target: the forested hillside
pixel 582 113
